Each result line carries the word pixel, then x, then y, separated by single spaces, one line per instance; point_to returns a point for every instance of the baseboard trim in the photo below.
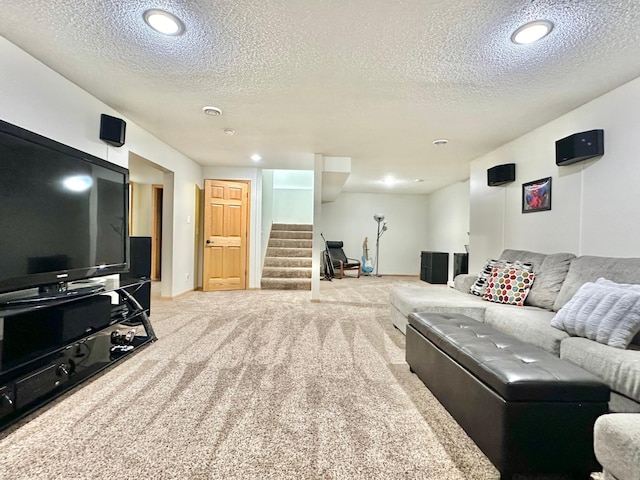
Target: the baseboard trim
pixel 177 296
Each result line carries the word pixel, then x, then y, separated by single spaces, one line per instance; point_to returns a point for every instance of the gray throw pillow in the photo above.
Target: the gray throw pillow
pixel 604 311
pixel 550 276
pixel 550 271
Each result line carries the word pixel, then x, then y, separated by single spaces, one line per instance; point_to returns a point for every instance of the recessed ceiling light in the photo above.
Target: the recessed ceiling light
pixel 213 111
pixel 255 157
pixel 440 142
pixel 531 32
pixel 163 22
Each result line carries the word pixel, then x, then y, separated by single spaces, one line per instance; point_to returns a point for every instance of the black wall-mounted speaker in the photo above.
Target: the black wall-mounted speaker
pixel 579 146
pixel 501 174
pixel 112 130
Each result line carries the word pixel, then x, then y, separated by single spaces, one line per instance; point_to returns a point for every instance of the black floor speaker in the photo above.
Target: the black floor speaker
pixel 140 258
pixel 140 267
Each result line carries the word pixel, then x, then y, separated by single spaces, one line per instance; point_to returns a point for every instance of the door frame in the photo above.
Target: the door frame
pixel 198 253
pixel 157 192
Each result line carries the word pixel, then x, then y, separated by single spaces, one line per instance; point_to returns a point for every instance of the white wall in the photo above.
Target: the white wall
pixel 293 196
pixel 350 219
pixel 141 207
pixel 255 235
pixel 594 210
pixel 449 220
pixel 292 205
pixel 142 176
pixel 35 97
pixel 267 210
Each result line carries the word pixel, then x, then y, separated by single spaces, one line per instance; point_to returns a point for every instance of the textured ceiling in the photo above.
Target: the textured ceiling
pixel 374 80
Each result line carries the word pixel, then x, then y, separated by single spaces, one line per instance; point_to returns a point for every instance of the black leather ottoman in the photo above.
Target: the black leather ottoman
pixel 528 411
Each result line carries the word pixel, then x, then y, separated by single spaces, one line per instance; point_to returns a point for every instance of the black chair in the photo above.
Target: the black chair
pixel 340 260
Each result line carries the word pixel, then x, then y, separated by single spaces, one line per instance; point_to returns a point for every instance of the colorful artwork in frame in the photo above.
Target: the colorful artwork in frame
pixel 536 195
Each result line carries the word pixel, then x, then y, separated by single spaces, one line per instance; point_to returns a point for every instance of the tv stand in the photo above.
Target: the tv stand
pixel 49 346
pixel 52 294
pixel 60 287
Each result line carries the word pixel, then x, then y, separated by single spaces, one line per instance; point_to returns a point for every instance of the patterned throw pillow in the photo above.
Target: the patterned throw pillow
pixel 479 287
pixel 509 284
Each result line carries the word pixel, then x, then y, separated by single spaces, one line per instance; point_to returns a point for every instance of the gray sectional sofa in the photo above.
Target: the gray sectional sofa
pixel 616 442
pixel 557 278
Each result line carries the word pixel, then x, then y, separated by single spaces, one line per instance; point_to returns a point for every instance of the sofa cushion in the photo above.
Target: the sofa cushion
pixel 436 298
pixel 509 285
pixel 549 279
pixel 464 281
pixel 529 324
pixel 604 311
pixel 587 269
pixel 523 256
pixel 615 443
pixel 620 369
pixel 551 271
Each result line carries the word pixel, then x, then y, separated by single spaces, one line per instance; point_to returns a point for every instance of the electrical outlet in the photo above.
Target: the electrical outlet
pixel 187 279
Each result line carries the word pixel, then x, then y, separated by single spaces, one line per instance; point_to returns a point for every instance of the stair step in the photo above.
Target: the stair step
pixel 285 284
pixel 290 243
pixel 301 234
pixel 287 264
pixel 289 252
pixel 294 262
pixel 292 227
pixel 286 272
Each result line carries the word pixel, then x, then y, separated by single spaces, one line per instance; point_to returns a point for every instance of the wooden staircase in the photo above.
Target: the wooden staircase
pixel 287 265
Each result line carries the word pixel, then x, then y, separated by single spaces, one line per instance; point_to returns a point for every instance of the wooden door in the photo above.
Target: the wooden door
pixel 226 235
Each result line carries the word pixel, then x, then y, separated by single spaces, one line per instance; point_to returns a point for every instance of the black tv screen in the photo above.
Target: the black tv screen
pixel 63 212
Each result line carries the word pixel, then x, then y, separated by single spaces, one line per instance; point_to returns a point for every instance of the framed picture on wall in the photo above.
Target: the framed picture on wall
pixel 536 195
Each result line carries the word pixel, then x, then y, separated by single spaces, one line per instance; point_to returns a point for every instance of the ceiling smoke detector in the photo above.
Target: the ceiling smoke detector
pixel 212 111
pixel 440 142
pixel 229 131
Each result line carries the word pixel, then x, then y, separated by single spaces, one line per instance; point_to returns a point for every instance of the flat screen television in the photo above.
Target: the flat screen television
pixel 63 213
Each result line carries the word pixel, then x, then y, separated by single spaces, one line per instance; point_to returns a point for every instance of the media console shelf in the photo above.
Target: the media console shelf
pixel 49 347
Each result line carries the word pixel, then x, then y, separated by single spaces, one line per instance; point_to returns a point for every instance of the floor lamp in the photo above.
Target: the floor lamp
pixel 382 227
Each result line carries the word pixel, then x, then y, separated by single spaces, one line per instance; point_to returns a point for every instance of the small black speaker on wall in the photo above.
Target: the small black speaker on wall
pixel 501 174
pixel 112 130
pixel 579 146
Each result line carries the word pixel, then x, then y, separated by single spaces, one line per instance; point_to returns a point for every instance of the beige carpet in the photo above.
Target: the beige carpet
pixel 254 385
